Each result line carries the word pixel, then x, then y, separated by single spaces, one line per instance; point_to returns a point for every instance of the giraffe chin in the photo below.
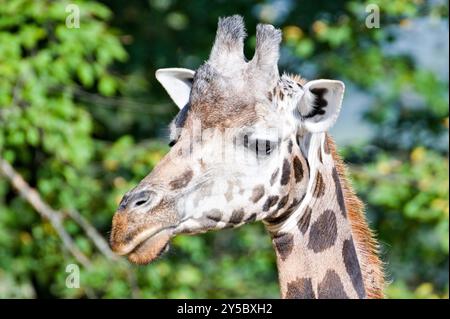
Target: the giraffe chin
pixel 150 249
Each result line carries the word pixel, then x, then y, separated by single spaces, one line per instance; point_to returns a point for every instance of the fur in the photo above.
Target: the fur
pixel 366 245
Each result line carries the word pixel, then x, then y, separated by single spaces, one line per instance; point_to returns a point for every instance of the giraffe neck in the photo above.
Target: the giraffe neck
pixel 316 255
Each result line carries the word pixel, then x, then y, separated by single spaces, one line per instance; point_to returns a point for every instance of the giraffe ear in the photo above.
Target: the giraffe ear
pixel 320 104
pixel 177 82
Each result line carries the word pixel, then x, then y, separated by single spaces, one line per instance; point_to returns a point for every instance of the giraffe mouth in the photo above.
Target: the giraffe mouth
pixel 148 246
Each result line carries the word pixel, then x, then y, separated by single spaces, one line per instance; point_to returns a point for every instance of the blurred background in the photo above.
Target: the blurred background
pixel 82 120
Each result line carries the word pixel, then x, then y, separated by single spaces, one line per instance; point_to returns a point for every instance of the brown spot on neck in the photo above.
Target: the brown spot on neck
pixel 331 287
pixel 270 202
pixel 284 243
pixel 298 170
pixel 319 188
pixel 303 223
pixel 285 172
pixel 323 232
pixel 353 268
pixel 339 193
pixel 279 219
pixel 283 202
pixel 301 288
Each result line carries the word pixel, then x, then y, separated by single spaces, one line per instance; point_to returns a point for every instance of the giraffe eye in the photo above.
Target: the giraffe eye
pixel 261 147
pixel 172 143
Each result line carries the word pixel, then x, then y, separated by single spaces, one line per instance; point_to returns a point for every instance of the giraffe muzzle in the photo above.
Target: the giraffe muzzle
pixel 141 247
pixel 142 226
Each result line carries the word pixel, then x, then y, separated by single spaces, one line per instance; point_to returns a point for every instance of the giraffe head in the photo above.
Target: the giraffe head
pixel 239 145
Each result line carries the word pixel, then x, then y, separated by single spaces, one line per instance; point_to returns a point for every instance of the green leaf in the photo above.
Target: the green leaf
pixel 86 74
pixel 107 85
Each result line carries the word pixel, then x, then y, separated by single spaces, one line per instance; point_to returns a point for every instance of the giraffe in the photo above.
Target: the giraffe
pixel 283 171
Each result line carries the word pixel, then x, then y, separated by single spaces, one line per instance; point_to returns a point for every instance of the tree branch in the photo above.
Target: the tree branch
pixel 55 217
pixel 46 212
pixel 92 233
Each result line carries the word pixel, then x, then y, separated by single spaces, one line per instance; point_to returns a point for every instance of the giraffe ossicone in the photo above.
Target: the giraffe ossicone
pixel 251 145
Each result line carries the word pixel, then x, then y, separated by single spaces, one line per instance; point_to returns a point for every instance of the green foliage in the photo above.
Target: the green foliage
pixel 81 119
pixel 408 198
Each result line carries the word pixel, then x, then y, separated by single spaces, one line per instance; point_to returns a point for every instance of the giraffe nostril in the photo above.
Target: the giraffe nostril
pixel 140 202
pixel 131 200
pixel 141 198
